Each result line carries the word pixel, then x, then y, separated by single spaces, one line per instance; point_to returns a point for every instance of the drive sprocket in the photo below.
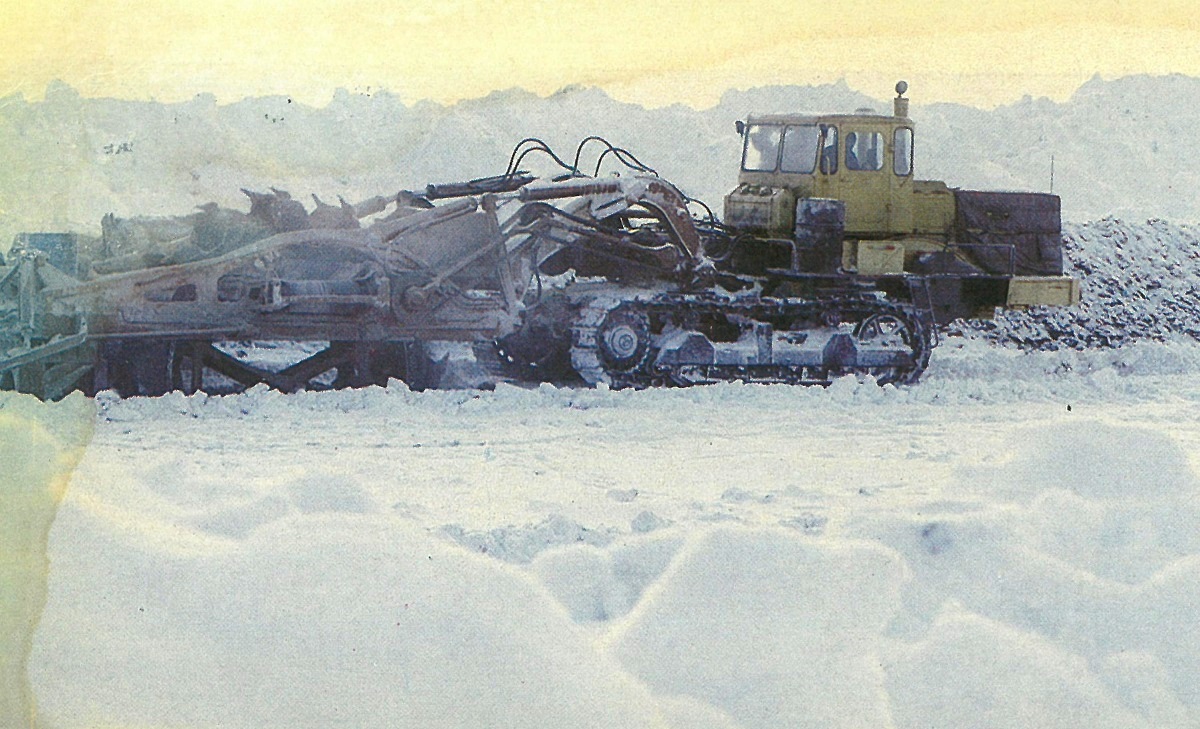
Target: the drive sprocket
pixel 611 343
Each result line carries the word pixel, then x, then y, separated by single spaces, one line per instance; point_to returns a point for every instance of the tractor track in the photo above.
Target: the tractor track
pixel 633 364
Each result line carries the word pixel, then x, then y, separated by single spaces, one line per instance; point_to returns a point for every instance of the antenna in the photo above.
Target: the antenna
pixel 1051 173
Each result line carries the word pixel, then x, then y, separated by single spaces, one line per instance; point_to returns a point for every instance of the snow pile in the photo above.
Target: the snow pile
pixel 770 629
pixel 974 673
pixel 728 556
pixel 70 159
pixel 313 621
pixel 1113 148
pixel 1072 601
pixel 1139 282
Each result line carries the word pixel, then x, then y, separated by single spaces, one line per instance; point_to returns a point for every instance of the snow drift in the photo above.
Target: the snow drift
pixel 968 552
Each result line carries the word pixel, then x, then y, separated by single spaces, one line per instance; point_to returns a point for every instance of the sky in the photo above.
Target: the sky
pixel 982 53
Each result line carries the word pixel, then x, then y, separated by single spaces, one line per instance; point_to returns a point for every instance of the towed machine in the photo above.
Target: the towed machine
pixel 831 259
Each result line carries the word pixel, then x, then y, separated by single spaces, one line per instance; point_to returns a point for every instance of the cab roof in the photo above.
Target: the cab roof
pixel 827 119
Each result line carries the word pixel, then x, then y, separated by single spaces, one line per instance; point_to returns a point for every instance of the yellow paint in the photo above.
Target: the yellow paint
pixel 986 53
pixel 40 444
pixel 1026 291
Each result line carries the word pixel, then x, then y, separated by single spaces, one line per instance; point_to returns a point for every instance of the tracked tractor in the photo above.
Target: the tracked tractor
pixel 834 198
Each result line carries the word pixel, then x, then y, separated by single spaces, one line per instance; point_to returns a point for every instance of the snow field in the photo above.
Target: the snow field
pixel 39 447
pixel 318 621
pixel 964 553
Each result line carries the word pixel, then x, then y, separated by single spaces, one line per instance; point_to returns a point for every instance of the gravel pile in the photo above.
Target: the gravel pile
pixel 1140 282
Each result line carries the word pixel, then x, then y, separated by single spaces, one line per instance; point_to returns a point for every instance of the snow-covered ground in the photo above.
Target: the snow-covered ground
pixel 1011 543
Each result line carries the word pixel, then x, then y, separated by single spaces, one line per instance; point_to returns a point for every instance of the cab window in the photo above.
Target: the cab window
pixel 761 152
pixel 902 152
pixel 800 149
pixel 864 151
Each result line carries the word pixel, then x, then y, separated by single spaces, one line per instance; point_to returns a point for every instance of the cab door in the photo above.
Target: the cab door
pixel 865 179
pixel 900 213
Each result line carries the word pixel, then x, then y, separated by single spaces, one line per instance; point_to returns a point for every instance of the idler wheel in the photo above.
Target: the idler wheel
pixel 884 328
